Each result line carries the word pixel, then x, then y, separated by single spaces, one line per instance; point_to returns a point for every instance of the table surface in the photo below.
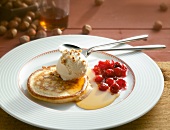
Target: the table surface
pixel 117 20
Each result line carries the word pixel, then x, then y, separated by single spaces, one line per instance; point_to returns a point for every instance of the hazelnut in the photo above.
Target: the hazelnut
pixel 33 26
pixel 24 39
pixel 163 7
pixel 4 23
pixel 23 5
pixel 31 32
pixel 11 33
pixel 41 34
pixel 2 30
pixel 56 31
pixel 99 2
pixel 157 26
pixel 28 19
pixel 86 29
pixel 31 14
pixel 17 19
pixel 13 24
pixel 24 26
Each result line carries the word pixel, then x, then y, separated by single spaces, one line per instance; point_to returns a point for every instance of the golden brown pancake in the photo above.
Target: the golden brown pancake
pixel 47 85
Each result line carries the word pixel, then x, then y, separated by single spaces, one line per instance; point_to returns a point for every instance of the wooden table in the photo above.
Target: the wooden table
pixel 117 20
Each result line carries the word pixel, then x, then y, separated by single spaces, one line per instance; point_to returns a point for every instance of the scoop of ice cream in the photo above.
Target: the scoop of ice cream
pixel 72 64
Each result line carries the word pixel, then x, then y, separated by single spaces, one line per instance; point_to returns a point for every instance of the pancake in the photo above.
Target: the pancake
pixel 47 85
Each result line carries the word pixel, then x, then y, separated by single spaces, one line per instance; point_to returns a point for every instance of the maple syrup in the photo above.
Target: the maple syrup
pixel 51 19
pixel 97 99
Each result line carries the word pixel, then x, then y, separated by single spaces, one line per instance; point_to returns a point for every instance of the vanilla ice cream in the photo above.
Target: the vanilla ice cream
pixel 72 64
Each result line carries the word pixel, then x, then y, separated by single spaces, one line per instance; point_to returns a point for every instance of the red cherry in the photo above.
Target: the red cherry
pixel 101 65
pixel 109 64
pixel 124 67
pixel 96 70
pixel 109 72
pixel 121 83
pixel 98 78
pixel 112 63
pixel 123 73
pixel 118 71
pixel 110 81
pixel 117 64
pixel 103 86
pixel 114 88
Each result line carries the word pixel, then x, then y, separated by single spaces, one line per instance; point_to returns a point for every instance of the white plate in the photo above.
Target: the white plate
pixel 21 61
